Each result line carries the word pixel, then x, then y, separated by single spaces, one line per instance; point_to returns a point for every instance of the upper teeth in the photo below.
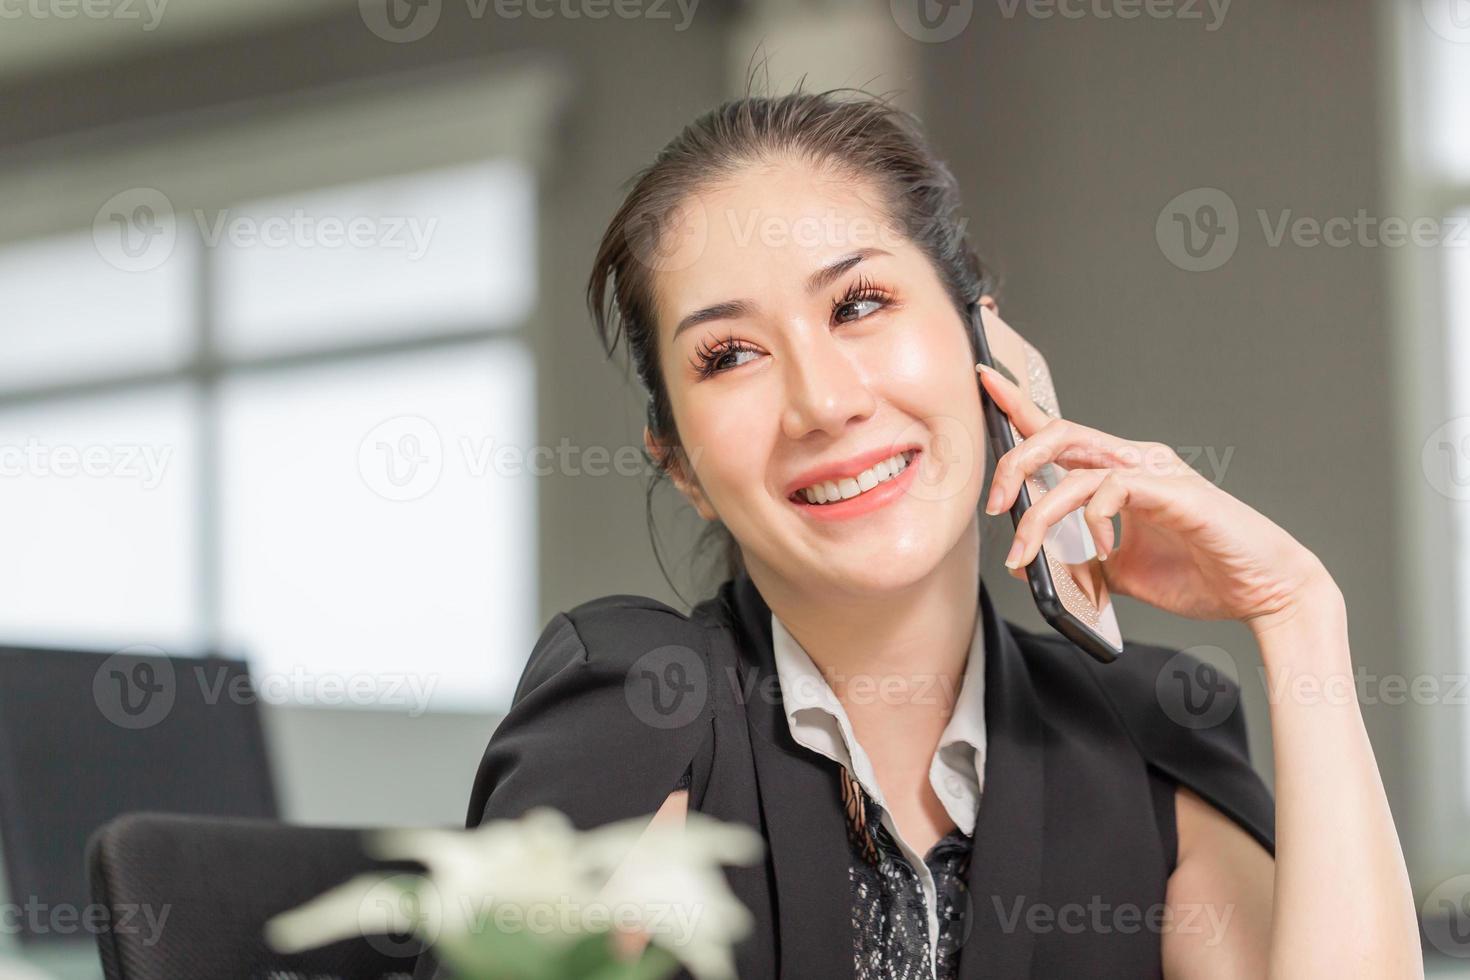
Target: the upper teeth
pixel 831 491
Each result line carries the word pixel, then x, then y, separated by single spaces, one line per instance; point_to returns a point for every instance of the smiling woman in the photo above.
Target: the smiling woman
pixel 939 789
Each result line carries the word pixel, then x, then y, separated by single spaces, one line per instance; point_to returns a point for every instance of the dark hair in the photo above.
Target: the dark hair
pixel 857 134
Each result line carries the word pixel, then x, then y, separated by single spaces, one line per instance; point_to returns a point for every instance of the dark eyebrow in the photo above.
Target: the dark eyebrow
pixel 817 281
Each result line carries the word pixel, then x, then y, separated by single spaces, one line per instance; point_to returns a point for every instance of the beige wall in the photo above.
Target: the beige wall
pixel 1068 136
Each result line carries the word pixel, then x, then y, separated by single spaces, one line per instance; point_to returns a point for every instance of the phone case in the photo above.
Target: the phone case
pixel 1082 611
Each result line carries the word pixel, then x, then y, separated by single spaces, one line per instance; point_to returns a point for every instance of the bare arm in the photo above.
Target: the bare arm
pixel 1337 900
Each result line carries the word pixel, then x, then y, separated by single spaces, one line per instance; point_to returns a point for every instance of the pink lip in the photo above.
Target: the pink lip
pixel 864 503
pixel 843 470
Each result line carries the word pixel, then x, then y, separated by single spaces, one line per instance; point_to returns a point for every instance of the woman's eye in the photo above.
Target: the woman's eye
pixel 709 361
pixel 731 358
pixel 858 308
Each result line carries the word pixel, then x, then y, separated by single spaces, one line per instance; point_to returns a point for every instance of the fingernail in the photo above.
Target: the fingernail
pixel 1013 560
pixel 990 504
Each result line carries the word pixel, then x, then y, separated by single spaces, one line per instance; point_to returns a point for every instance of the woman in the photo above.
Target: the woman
pixel 944 794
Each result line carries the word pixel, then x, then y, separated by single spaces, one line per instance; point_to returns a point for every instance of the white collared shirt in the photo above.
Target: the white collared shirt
pixel 819 722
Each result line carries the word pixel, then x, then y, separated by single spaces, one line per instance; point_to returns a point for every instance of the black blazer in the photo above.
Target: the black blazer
pixel 1072 849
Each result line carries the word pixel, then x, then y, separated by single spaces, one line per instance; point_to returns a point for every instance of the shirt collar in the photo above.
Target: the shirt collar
pixel 817 720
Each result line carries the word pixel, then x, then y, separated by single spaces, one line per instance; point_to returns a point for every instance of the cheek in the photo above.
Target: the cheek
pixel 928 362
pixel 728 439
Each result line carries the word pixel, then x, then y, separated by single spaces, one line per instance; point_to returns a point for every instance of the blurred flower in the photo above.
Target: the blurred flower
pixel 539 894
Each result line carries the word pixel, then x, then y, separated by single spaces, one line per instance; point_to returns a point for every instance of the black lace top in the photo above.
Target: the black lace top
pixel 890 922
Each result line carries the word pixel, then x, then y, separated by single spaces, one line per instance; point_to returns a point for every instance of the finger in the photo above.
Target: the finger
pixel 1024 414
pixel 1060 441
pixel 1107 501
pixel 1075 489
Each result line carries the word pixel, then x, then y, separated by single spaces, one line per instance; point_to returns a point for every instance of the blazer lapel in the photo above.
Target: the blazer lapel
pixel 800 798
pixel 1005 865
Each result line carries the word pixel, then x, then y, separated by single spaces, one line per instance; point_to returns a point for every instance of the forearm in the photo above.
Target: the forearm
pixel 1342 904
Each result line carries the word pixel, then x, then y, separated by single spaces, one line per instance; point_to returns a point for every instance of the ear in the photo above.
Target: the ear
pixel 671 461
pixel 988 301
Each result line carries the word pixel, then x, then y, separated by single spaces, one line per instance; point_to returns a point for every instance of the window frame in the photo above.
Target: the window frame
pixel 503 108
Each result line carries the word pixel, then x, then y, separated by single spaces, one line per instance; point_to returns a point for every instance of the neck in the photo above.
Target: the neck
pixel 888 646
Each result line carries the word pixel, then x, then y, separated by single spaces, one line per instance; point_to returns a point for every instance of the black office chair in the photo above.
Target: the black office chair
pixel 220 880
pixel 87 736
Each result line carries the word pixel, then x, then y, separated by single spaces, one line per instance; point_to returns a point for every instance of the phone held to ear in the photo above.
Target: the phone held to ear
pixel 1065 576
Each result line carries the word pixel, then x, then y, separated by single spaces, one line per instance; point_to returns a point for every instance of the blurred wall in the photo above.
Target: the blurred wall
pixel 1069 135
pixel 1070 138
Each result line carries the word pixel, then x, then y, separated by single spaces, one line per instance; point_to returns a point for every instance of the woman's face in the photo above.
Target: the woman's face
pixel 803 342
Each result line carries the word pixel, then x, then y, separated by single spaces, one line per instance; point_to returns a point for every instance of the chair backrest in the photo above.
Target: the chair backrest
pixel 189 897
pixel 87 736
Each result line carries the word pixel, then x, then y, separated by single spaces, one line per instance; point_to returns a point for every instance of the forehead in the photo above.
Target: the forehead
pixel 764 229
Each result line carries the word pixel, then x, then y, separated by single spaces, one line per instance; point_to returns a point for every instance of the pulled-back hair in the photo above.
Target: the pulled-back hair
pixel 854 134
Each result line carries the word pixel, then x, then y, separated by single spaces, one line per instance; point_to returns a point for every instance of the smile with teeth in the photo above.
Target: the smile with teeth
pixel 832 491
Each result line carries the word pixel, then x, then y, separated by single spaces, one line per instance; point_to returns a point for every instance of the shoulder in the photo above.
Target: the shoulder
pixel 605 636
pixel 612 706
pixel 1180 710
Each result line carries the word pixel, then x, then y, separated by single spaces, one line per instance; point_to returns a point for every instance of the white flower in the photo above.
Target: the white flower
pixel 540 874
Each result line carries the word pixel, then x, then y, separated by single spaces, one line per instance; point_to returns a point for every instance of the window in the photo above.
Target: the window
pixel 267 423
pixel 1428 182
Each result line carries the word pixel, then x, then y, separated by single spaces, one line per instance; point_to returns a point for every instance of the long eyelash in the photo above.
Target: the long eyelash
pixel 863 288
pixel 706 358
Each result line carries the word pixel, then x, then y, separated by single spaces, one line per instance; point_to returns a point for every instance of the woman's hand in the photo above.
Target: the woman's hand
pixel 1186 545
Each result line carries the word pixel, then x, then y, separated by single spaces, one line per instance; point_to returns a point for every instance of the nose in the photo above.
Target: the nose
pixel 826 388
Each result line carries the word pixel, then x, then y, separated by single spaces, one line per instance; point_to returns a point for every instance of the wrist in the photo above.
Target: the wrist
pixel 1310 628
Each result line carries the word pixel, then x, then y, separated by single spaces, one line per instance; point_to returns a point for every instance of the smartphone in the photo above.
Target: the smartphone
pixel 1065 576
